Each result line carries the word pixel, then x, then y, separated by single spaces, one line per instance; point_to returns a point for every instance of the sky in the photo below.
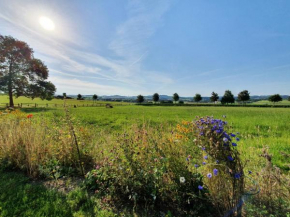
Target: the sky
pixel 131 47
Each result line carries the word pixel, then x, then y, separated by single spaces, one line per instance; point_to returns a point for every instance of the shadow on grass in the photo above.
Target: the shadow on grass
pixel 19 197
pixel 37 110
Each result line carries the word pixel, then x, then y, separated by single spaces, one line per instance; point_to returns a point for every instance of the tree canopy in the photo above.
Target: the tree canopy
pixel 275 98
pixel 155 97
pixel 140 99
pixel 79 97
pixel 175 97
pixel 197 97
pixel 20 73
pixel 95 97
pixel 228 97
pixel 244 96
pixel 214 97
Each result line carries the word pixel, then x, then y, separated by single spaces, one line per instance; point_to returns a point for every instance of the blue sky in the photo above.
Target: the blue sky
pixel 130 47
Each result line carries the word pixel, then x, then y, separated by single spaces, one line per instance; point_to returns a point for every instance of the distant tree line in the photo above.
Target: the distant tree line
pixel 227 98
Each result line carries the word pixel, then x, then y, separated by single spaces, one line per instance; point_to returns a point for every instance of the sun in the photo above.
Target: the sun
pixel 46 23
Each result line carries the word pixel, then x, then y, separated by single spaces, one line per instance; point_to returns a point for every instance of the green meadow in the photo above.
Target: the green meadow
pixel 259 129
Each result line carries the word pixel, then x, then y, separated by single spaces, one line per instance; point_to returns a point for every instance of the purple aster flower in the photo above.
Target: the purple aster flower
pixel 204 163
pixel 250 172
pixel 234 144
pixel 203 148
pixel 225 139
pixel 205 157
pixel 215 172
pixel 217 161
pixel 187 159
pixel 209 175
pixel 230 158
pixel 200 187
pixel 237 175
pixel 233 135
pixel 196 165
pixel 237 139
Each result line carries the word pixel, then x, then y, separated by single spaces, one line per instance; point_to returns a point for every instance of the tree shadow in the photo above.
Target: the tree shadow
pixel 37 110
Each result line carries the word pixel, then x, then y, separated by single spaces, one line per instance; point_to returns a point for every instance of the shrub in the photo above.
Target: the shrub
pixel 217 158
pixel 149 170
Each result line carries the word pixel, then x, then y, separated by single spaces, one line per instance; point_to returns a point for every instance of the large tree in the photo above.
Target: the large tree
pixel 140 99
pixel 197 97
pixel 228 97
pixel 214 97
pixel 155 97
pixel 175 97
pixel 244 96
pixel 20 73
pixel 275 98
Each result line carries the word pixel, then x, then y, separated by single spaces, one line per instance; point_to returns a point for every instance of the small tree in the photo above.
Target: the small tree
pixel 80 97
pixel 64 95
pixel 197 97
pixel 228 97
pixel 289 98
pixel 175 97
pixel 214 97
pixel 155 97
pixel 140 99
pixel 95 97
pixel 244 96
pixel 20 73
pixel 275 98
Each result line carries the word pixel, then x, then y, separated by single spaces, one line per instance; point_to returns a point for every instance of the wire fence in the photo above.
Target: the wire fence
pixel 55 105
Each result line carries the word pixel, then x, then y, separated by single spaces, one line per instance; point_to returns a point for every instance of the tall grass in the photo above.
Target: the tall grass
pixel 141 165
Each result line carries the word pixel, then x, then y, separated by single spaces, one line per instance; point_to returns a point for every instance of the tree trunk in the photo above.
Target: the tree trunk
pixel 11 103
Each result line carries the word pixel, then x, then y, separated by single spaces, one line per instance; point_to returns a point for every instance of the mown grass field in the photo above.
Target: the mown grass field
pixel 42 103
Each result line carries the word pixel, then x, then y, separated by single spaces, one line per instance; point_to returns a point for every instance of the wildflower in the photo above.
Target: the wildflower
pixel 233 135
pixel 97 167
pixel 225 139
pixel 217 161
pixel 209 175
pixel 200 187
pixel 203 148
pixel 196 165
pixel 204 163
pixel 234 144
pixel 224 116
pixel 215 172
pixel 205 157
pixel 237 175
pixel 29 116
pixel 182 179
pixel 250 172
pixel 230 158
pixel 237 139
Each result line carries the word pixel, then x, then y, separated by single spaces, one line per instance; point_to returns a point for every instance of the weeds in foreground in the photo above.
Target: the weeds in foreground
pixel 147 168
